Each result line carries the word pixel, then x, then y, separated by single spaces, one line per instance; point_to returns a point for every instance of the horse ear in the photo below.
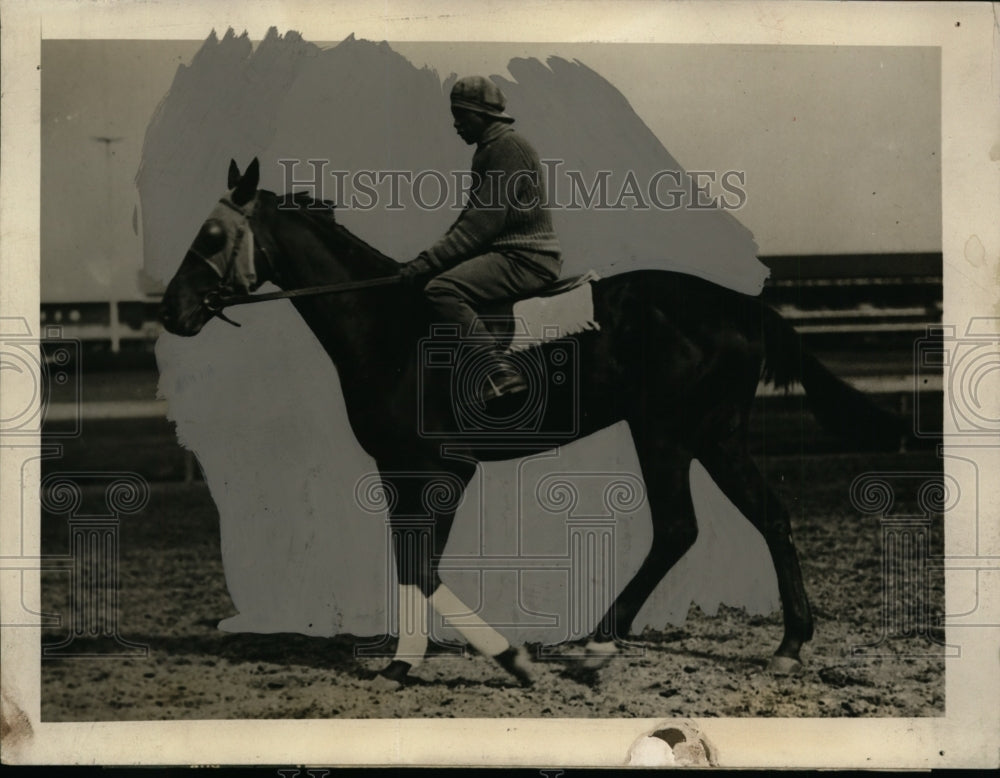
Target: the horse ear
pixel 247 186
pixel 234 175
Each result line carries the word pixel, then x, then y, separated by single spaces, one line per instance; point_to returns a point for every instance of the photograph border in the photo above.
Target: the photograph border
pixel 969 733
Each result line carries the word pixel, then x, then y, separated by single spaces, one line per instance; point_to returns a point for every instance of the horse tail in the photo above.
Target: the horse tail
pixel 837 405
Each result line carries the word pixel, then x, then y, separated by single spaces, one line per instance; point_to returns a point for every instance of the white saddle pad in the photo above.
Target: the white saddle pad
pixel 538 320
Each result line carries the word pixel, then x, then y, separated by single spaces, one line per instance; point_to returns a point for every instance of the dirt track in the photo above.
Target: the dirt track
pixel 173 594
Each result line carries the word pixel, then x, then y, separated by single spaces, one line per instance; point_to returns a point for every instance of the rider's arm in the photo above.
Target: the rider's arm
pixel 497 170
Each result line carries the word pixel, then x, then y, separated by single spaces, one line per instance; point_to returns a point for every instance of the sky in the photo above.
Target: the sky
pixel 840 146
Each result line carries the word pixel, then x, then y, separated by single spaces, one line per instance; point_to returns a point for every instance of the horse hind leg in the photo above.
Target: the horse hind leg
pixel 740 480
pixel 665 471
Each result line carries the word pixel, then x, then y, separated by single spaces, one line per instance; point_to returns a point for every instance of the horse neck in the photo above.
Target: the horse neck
pixel 359 328
pixel 317 250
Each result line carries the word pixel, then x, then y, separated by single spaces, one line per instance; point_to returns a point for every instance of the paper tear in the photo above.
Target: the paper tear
pixel 679 743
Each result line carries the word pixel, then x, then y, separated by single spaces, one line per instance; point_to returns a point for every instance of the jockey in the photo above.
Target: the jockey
pixel 503 244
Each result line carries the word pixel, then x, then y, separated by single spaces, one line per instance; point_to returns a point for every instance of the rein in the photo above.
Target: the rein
pixel 215 301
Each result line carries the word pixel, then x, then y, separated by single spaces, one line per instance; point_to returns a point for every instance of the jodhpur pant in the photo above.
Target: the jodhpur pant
pixel 455 294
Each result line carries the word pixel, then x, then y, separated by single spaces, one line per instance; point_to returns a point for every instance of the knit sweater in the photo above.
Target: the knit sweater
pixel 504 209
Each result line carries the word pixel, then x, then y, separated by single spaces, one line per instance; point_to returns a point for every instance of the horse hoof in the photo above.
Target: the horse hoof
pixel 393 676
pixel 597 655
pixel 784 665
pixel 517 662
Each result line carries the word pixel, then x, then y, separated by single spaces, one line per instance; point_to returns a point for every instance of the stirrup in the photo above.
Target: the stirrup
pixel 511 383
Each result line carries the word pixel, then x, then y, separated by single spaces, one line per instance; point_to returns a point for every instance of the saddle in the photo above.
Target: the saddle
pixel 564 308
pixel 558 287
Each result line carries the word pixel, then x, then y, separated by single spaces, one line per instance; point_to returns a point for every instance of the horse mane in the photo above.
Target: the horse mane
pixel 319 216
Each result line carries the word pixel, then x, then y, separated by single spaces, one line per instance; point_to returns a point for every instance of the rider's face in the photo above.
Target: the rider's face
pixel 469 125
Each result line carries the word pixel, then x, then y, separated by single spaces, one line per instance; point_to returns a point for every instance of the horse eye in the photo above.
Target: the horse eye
pixel 211 238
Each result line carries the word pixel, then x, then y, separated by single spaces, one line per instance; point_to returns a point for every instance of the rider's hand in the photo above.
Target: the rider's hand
pixel 416 270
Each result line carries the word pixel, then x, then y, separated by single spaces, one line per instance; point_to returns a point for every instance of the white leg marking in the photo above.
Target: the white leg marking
pixel 412 625
pixel 457 614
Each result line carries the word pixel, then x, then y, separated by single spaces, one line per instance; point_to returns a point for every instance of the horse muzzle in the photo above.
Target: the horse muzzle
pixel 186 324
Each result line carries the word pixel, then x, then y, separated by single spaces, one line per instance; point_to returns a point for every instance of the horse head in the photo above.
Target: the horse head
pixel 222 258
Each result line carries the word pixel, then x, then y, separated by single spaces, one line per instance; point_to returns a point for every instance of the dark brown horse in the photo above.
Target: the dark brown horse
pixel 678 358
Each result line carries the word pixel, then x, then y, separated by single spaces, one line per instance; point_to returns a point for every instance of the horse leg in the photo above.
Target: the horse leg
pixel 740 480
pixel 665 471
pixel 419 529
pixel 704 381
pixel 422 510
pixel 481 635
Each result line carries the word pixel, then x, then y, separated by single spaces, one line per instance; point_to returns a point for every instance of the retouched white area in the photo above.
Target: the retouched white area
pixel 830 168
pixel 304 549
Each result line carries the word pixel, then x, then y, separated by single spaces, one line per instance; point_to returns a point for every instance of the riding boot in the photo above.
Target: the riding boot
pixel 502 376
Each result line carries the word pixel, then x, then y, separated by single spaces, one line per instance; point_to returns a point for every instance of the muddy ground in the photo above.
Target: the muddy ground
pixel 173 593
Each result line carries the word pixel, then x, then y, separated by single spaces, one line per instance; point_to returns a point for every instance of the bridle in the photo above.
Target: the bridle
pixel 228 270
pixel 224 295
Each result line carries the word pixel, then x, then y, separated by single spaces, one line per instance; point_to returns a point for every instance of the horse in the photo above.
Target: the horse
pixel 676 357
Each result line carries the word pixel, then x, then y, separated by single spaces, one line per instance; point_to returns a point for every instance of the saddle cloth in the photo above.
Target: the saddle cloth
pixel 560 310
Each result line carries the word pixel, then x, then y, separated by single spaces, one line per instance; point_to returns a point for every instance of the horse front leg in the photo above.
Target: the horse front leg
pixel 422 506
pixel 422 510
